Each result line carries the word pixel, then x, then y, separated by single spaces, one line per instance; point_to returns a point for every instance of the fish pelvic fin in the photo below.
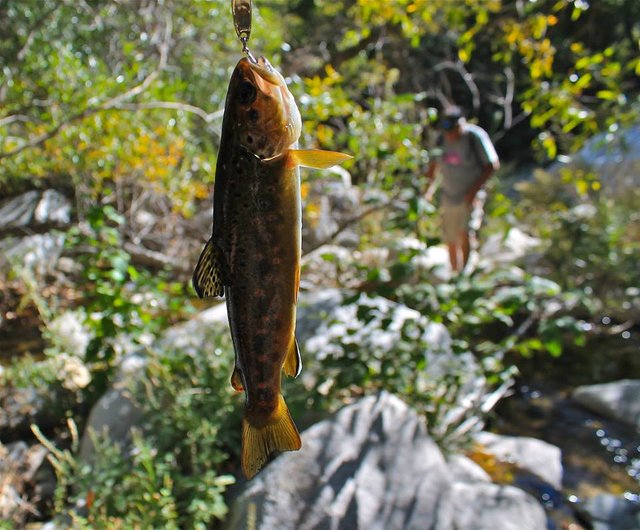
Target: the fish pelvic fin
pixel 207 276
pixel 278 434
pixel 236 380
pixel 315 158
pixel 293 361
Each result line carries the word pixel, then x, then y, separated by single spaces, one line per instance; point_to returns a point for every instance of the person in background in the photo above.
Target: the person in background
pixel 466 158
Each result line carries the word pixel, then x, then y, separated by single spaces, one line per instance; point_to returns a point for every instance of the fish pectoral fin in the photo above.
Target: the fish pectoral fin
pixel 315 158
pixel 236 380
pixel 293 362
pixel 278 434
pixel 207 277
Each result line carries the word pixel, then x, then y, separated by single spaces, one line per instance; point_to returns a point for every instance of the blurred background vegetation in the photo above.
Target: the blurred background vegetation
pixel 119 105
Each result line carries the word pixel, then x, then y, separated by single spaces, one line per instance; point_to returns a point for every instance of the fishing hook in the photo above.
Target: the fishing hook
pixel 241 10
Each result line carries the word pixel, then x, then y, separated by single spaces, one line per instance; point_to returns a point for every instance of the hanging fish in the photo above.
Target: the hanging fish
pixel 253 256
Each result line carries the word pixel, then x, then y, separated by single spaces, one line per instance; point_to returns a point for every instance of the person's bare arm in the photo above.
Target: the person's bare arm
pixel 431 181
pixel 487 171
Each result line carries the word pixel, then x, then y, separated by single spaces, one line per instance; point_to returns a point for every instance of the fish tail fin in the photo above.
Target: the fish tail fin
pixel 293 362
pixel 207 277
pixel 279 433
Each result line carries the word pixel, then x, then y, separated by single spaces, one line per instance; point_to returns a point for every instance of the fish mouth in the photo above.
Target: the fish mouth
pixel 270 82
pixel 285 122
pixel 262 69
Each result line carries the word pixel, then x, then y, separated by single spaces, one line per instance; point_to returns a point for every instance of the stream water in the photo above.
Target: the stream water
pixel 599 455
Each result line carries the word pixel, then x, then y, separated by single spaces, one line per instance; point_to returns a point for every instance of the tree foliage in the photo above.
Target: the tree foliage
pixel 104 91
pixel 121 102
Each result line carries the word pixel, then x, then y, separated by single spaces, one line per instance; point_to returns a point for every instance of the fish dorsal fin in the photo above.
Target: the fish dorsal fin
pixel 315 158
pixel 207 277
pixel 293 362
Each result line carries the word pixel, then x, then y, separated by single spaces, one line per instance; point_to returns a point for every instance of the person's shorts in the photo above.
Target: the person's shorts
pixel 455 220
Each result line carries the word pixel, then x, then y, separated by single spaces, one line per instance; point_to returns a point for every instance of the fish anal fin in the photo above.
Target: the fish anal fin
pixel 293 362
pixel 207 276
pixel 315 158
pixel 278 434
pixel 236 380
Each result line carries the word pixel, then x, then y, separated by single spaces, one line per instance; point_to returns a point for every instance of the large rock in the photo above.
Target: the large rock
pixel 608 512
pixel 35 208
pixel 535 456
pixel 507 248
pixel 34 254
pixel 32 211
pixel 479 504
pixel 487 506
pixel 619 400
pixel 115 413
pixel 371 467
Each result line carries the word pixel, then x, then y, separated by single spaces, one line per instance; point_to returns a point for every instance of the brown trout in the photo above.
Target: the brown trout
pixel 253 256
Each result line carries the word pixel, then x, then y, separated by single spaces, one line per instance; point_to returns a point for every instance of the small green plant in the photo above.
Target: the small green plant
pixel 175 470
pixel 374 344
pixel 119 299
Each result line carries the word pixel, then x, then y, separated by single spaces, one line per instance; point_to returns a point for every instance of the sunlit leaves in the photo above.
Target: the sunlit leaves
pixel 79 95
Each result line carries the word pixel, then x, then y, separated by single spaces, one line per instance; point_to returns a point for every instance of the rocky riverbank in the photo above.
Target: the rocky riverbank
pixel 371 464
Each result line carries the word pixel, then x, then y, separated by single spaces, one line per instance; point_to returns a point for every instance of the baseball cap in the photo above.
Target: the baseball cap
pixel 450 117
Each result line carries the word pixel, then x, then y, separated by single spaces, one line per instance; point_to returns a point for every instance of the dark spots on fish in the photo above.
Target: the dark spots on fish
pixel 246 93
pixel 264 396
pixel 258 343
pixel 249 139
pixel 264 267
pixel 253 115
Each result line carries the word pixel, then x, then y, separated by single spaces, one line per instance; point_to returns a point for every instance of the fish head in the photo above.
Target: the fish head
pixel 265 115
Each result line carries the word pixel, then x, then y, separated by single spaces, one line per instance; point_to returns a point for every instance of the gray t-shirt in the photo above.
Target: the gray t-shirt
pixel 462 161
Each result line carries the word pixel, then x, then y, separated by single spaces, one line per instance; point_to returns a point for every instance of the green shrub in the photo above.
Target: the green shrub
pixel 175 471
pixel 591 240
pixel 119 299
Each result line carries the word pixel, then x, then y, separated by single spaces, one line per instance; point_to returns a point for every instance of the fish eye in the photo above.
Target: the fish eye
pixel 246 93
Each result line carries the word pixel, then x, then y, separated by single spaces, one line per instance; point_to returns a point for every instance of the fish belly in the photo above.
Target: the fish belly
pixel 265 261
